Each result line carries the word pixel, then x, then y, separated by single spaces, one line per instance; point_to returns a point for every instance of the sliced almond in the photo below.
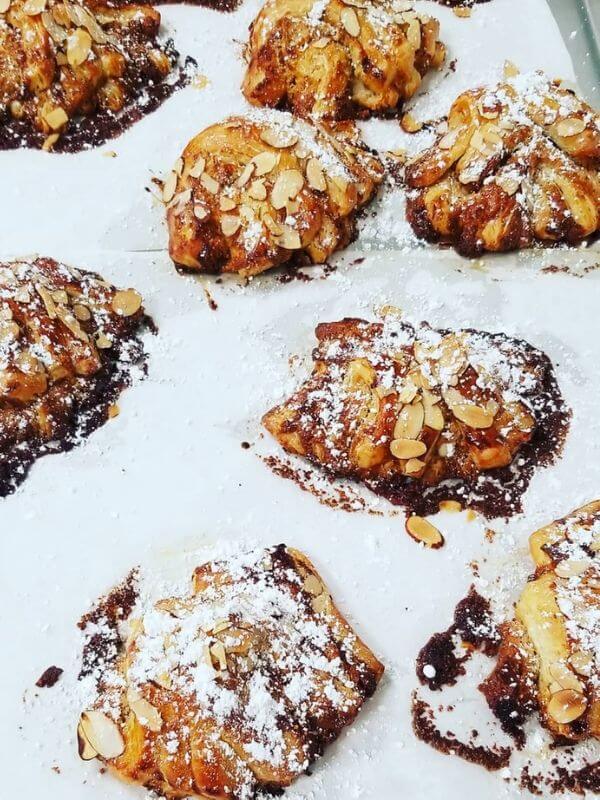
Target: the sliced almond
pixel 421 530
pixel 410 124
pixel 582 662
pixel 86 751
pixel 315 175
pixel 198 167
pixel 434 417
pixel 572 126
pixel 289 182
pixel 508 184
pixel 274 227
pixel 571 568
pixel 407 448
pixel 126 302
pixel 209 183
pixel 407 393
pixel 413 33
pixel 472 415
pixel 413 465
pixel 246 174
pixel 410 422
pixel 4 6
pixel 322 603
pixel 449 139
pixel 103 342
pixel 226 203
pixel 79 45
pixel 147 715
pixel 289 239
pixel 217 651
pixel 169 187
pixel 451 506
pixel 565 678
pixel 462 11
pixel 349 20
pixel 257 190
pixel 230 224
pixel 50 141
pixel 510 70
pixel 201 212
pixel 102 733
pixel 47 301
pixel 56 118
pixel 566 706
pixel 264 163
pixel 33 7
pixel 221 625
pixel 279 137
pixel 313 585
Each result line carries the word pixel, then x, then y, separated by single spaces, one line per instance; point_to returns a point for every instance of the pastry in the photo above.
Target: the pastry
pixel 549 656
pixel 515 165
pixel 253 192
pixel 76 73
pixel 337 60
pixel 232 686
pixel 404 409
pixel 68 345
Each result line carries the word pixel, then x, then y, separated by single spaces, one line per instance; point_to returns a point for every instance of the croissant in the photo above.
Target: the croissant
pixel 234 686
pixel 67 346
pixel 253 192
pixel 391 405
pixel 518 164
pixel 335 59
pixel 549 657
pixel 66 61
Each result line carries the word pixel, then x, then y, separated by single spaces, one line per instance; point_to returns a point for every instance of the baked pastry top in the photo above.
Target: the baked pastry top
pixel 73 72
pixel 337 60
pixel 253 192
pixel 68 345
pixel 234 685
pixel 516 164
pixel 549 657
pixel 387 402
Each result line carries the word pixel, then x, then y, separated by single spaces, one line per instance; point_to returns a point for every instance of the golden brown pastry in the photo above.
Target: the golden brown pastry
pixel 337 60
pixel 517 164
pixel 233 686
pixel 550 653
pixel 395 406
pixel 75 73
pixel 68 345
pixel 253 192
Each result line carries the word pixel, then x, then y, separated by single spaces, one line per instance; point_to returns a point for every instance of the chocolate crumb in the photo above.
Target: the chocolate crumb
pixel 49 677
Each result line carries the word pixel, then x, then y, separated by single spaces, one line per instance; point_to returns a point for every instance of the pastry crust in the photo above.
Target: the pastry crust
pixel 67 345
pixel 253 192
pixel 550 656
pixel 518 164
pixel 232 687
pixel 64 61
pixel 386 402
pixel 339 60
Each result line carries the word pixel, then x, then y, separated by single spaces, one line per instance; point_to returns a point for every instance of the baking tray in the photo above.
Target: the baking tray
pixel 167 479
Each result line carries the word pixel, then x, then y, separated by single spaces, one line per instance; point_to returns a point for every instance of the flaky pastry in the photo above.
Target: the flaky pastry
pixel 66 61
pixel 233 686
pixel 515 165
pixel 337 60
pixel 387 402
pixel 252 192
pixel 549 658
pixel 67 345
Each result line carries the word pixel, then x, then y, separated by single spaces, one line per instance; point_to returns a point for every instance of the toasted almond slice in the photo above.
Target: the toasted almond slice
pixel 510 70
pixel 451 506
pixel 201 212
pixel 257 190
pixel 582 662
pixel 565 678
pixel 413 465
pixel 209 183
pixel 230 224
pixel 79 45
pixel 221 625
pixel 279 137
pixel 264 163
pixel 47 301
pixel 126 302
pixel 82 313
pixel 56 118
pixel 421 530
pixel 274 227
pixel 33 7
pixel 226 203
pixel 102 734
pixel 572 126
pixel 315 175
pixel 462 11
pixel 198 167
pixel 508 184
pixel 4 6
pixel 410 422
pixel 147 715
pixel 571 568
pixel 449 139
pixel 434 417
pixel 103 342
pixel 169 187
pixel 410 124
pixel 313 585
pixel 407 393
pixel 246 174
pixel 349 20
pixel 85 749
pixel 217 651
pixel 322 603
pixel 413 33
pixel 50 141
pixel 566 706
pixel 472 415
pixel 289 239
pixel 407 448
pixel 289 182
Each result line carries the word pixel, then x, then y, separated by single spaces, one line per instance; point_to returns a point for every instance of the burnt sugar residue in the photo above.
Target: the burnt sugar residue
pixel 87 132
pixel 495 493
pixel 49 677
pixel 100 625
pixel 426 729
pixel 438 663
pixel 461 3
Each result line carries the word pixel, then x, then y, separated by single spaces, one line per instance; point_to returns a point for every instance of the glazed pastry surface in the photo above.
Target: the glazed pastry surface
pixel 516 165
pixel 339 60
pixel 233 686
pixel 253 192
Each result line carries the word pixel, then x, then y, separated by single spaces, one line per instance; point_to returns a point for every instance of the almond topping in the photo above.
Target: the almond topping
pixel 86 751
pixel 79 44
pixel 566 706
pixel 56 118
pixel 413 465
pixel 217 651
pixel 279 138
pixel 257 190
pixel 198 168
pixel 209 183
pixel 421 530
pixel 147 715
pixel 407 448
pixel 434 417
pixel 410 422
pixel 322 603
pixel 510 70
pixel 313 585
pixel 570 127
pixel 126 302
pixel 410 124
pixel 582 662
pixel 289 239
pixel 33 7
pixel 169 187
pixel 226 203
pixel 315 175
pixel 246 174
pixel 350 21
pixel 451 506
pixel 103 342
pixel 264 163
pixel 230 224
pixel 472 415
pixel 4 6
pixel 448 141
pixel 571 567
pixel 289 182
pixel 201 212
pixel 102 734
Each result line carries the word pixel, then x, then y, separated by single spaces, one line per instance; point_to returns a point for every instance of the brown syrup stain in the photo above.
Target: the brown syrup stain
pixel 49 677
pixel 555 269
pixel 474 626
pixel 84 133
